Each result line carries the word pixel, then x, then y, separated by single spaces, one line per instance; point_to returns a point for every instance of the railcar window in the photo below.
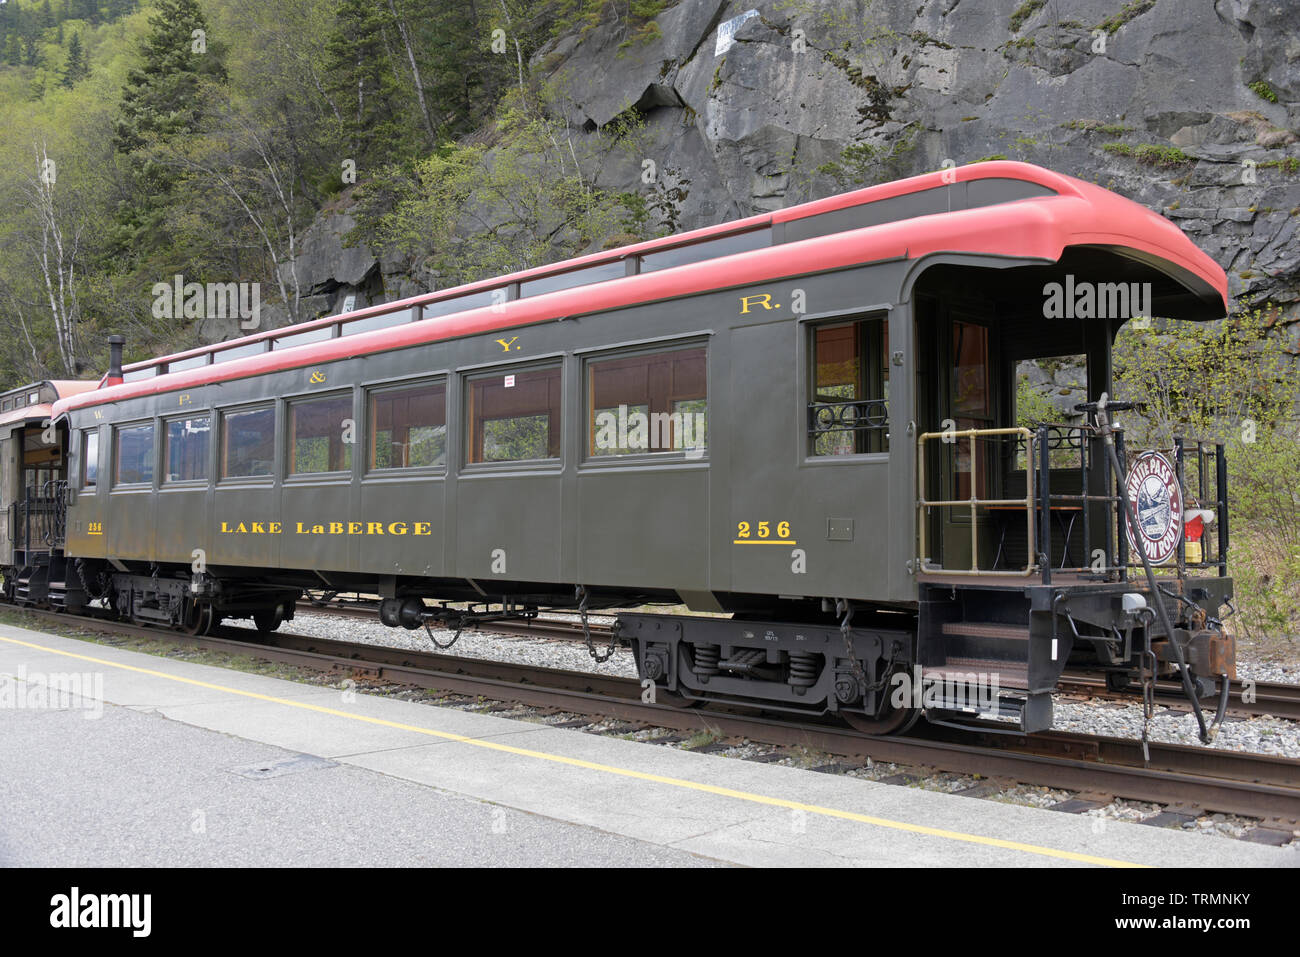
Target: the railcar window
pixel 408 427
pixel 247 443
pixel 708 249
pixel 320 435
pixel 475 300
pixel 302 338
pixel 651 402
pixel 384 321
pixel 139 374
pixel 193 362
pixel 515 416
pixel 134 456
pixel 574 277
pixel 240 352
pixel 186 449
pixel 89 458
pixel 848 411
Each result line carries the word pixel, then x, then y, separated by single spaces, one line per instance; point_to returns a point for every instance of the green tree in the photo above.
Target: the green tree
pixel 163 98
pixel 360 55
pixel 1232 382
pixel 76 67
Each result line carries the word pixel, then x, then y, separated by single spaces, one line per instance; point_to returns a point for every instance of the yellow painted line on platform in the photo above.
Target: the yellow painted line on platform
pixel 606 768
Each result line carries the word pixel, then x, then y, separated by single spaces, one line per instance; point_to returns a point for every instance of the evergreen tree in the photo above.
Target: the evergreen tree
pixel 31 52
pixel 162 98
pixel 359 59
pixel 77 66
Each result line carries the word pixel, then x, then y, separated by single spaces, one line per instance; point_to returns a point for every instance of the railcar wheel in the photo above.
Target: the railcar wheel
pixel 672 699
pixel 198 618
pixel 893 721
pixel 269 619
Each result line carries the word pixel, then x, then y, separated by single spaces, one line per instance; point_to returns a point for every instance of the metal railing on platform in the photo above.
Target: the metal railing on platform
pixel 1058 450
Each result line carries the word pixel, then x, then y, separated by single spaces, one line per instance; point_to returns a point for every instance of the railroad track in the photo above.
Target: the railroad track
pixel 1196 778
pixel 1278 699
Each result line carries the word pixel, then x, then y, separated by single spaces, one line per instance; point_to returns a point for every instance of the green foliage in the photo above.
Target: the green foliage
pixel 163 99
pixel 1263 91
pixel 1095 126
pixel 470 211
pixel 1151 154
pixel 1233 382
pixel 1023 13
pixel 1032 407
pixel 864 164
pixel 633 18
pixel 76 67
pixel 1289 165
pixel 1126 13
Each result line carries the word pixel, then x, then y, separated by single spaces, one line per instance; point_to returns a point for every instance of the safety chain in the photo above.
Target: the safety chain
pixel 437 644
pixel 581 595
pixel 845 608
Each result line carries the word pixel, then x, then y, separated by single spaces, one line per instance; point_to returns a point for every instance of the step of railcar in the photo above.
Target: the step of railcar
pixel 986 629
pixel 1009 674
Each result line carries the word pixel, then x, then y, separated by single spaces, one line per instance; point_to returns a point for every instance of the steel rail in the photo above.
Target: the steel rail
pixel 1203 778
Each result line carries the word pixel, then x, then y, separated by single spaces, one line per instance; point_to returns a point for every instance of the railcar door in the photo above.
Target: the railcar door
pixel 959 390
pixel 9 473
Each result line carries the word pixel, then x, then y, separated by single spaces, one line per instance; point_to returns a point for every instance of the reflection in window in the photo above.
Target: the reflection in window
pixel 515 416
pixel 134 455
pixel 319 334
pixel 971 403
pixel 707 249
pixel 90 458
pixel 849 409
pixel 193 362
pixel 247 443
pixel 240 352
pixel 652 402
pixel 473 300
pixel 186 449
pixel 320 435
pixel 408 427
pixel 572 278
pixel 383 321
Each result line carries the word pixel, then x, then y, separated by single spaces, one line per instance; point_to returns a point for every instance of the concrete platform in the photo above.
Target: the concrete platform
pixel 164 762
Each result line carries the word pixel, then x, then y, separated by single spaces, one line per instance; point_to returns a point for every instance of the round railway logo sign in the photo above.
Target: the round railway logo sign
pixel 1153 489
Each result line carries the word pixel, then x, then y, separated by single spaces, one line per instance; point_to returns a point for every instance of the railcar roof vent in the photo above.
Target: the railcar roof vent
pixel 115 344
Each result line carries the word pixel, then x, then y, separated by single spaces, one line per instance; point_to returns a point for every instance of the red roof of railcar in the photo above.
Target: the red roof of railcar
pixel 1080 214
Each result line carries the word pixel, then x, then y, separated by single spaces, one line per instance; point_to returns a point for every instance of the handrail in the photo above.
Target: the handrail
pixel 1040 502
pixel 923 504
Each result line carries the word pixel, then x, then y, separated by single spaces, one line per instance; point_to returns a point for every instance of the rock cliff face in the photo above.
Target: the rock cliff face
pixel 1190 107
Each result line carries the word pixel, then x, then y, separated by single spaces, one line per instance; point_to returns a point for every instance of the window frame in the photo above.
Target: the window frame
pixel 285 426
pixel 163 424
pixel 93 485
pixel 368 393
pixel 220 477
pixel 808 324
pixel 468 378
pixel 116 444
pixel 647 457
